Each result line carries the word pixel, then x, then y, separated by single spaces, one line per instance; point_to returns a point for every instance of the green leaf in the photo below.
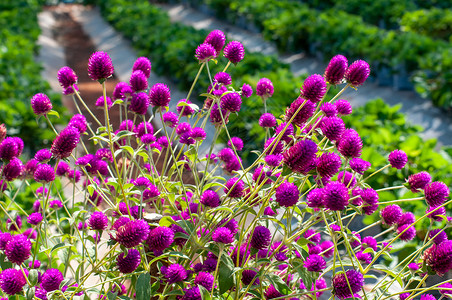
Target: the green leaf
pixel 286 171
pixel 278 283
pixel 33 277
pixel 144 287
pixel 111 296
pixel 390 272
pixel 53 113
pixel 205 295
pixel 225 273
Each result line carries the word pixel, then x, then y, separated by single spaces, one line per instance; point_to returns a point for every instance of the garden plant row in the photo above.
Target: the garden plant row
pixel 20 74
pixel 296 26
pixel 384 126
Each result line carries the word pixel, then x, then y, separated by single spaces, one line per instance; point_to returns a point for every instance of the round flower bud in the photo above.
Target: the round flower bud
pixel 9 149
pixel 18 249
pixel 138 81
pixel 332 128
pixel 249 276
pixel 132 233
pixel 304 113
pixel 34 218
pixel 44 173
pixel 436 193
pixel 264 88
pixel 65 142
pixel 129 263
pixel 223 235
pixel 43 155
pixel 98 221
pixel 223 78
pixel 247 90
pixel 210 198
pixel 234 52
pixel 205 52
pixel 100 66
pixel 300 155
pixel 217 39
pixel 343 107
pixel 41 105
pixel 438 236
pixel 261 237
pixel 336 196
pixel 315 263
pixel 357 73
pixel 397 159
pixel 315 198
pixel 439 257
pixel 66 77
pixel 359 165
pixel 13 169
pixel 159 95
pixel 418 181
pixel 267 120
pixel 350 144
pixel 335 71
pixel 12 281
pixel 329 109
pixel 328 164
pixel 160 238
pixel 139 103
pixel 234 188
pixel 51 280
pixel 175 273
pixel 205 279
pixel 287 194
pixel 407 232
pixel 347 284
pixel 143 64
pixel 236 142
pixel 314 88
pixel 184 110
pixel 231 102
pixel 391 214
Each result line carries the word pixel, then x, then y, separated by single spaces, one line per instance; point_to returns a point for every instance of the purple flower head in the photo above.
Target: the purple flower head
pixel 217 39
pixel 43 155
pixel 343 107
pixel 205 279
pixel 143 64
pixel 359 165
pixel 18 249
pixel 328 164
pixel 438 236
pixel 247 90
pixel 315 198
pixel 332 127
pixel 249 277
pixel 55 204
pixel 436 193
pixel 391 214
pixel 160 238
pixel 132 233
pixel 315 263
pixel 66 77
pixel 300 155
pixel 70 90
pixel 287 194
pixel 122 90
pixel 413 266
pixel 370 242
pixel 13 169
pixel 236 142
pixel 129 263
pixel 261 237
pixel 370 201
pixel 231 224
pixel 329 109
pixel 311 235
pixel 335 196
pixel 34 218
pixel 404 296
pixel 234 52
pixel 439 257
pixel 30 168
pixel 139 103
pixel 286 136
pixel 348 283
pixel 314 88
pixel 74 175
pixel 127 125
pixel 274 160
pixel 175 273
pixel 436 213
pixel 184 110
pixel 210 198
pixel 205 52
pixel 183 127
pixel 267 120
pixel 142 183
pixel 357 73
pixel 98 221
pixel 223 235
pixel 79 122
pixel 364 258
pixel 231 102
pixel 44 173
pixel 407 232
pixel 143 128
pixel 163 141
pixel 100 102
pixel 159 95
pixel 448 292
pixel 397 159
pixel 41 105
pixel 226 155
pixel 100 66
pixel 20 145
pixel 65 142
pixel 223 78
pixel 347 178
pixel 407 218
pixel 304 113
pixel 335 71
pixel 264 88
pixel 418 181
pixel 198 134
pixel 12 281
pixel 234 188
pixel 350 144
pixel 170 119
pixel 272 292
pixel 9 149
pixel 192 293
pixel 51 280
pixel 268 211
pixel 427 297
pixel 327 248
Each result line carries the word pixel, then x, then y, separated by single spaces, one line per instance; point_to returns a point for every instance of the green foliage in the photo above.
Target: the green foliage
pixel 435 22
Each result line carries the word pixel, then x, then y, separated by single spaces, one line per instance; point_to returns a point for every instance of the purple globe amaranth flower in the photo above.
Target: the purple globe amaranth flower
pixel 332 127
pixel 70 90
pixel 273 160
pixel 51 280
pixel 100 66
pixel 138 81
pixel 159 95
pixel 30 168
pixel 436 193
pixel 315 198
pixel 122 90
pixel 217 39
pixel 436 213
pixel 192 293
pixel 205 279
pixel 231 102
pixel 407 232
pixel 143 64
pixel 18 249
pixel 210 198
pixel 234 52
pixel 418 181
pixel 34 218
pixel 65 142
pixel 327 248
pixel 170 119
pixel 315 263
pixel 304 113
pixel 347 178
pixel 391 214
pixel 223 235
pixel 329 109
pixel 439 257
pixel 66 77
pixel 313 236
pixel 438 236
pixel 160 238
pixel 336 196
pixel 43 155
pixel 44 173
pixel 348 283
pixel 132 233
pixel 78 121
pixel 370 200
pixel 370 242
pixel 183 109
pixel 183 127
pixel 142 129
pixel 198 134
pixel 205 52
pixel 247 90
pixel 267 120
pixel 364 258
pixel 300 155
pixel 314 88
pixel 397 159
pixel 343 107
pixel 357 73
pixel 261 237
pixel 406 218
pixel 234 187
pixel 41 104
pixel 226 155
pixel 98 221
pixel 13 169
pixel 129 263
pixel 287 194
pixel 249 277
pixel 260 175
pixel 139 103
pixel 359 165
pixel 20 145
pixel 12 281
pixel 335 71
pixel 427 297
pixel 350 144
pixel 448 292
pixel 175 273
pixel 286 135
pixel 223 78
pixel 264 88
pixel 328 164
pixel 9 149
pixel 236 142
